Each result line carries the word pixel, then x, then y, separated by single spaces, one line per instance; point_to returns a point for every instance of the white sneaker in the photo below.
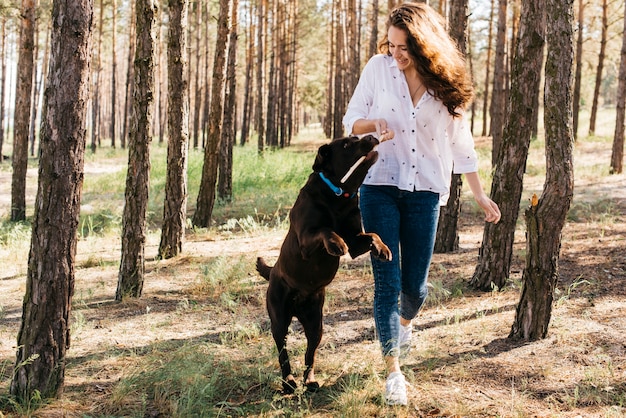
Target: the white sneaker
pixel 395 389
pixel 404 339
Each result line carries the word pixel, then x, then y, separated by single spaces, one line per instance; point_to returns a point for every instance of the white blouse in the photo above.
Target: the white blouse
pixel 428 143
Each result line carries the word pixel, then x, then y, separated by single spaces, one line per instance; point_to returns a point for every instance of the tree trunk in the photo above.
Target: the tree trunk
pixel 373 42
pixel 495 254
pixel 21 118
pixel 340 71
pixel 447 238
pixel 197 81
pixel 113 132
pixel 545 220
pixel 599 68
pixel 207 92
pixel 498 97
pixel 206 194
pixel 130 79
pixel 247 96
pixel 44 335
pixel 488 67
pixel 175 206
pixel 95 96
pixel 330 91
pixel 132 264
pixel 617 155
pixel 260 91
pixel 579 65
pixel 34 91
pixel 3 57
pixel 225 183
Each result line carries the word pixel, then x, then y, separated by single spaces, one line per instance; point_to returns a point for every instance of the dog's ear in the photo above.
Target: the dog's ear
pixel 322 155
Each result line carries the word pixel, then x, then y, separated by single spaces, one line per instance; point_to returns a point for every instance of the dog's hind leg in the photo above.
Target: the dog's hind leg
pixel 280 317
pixel 311 319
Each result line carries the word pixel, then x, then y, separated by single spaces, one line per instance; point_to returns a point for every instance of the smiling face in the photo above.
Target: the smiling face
pixel 398 48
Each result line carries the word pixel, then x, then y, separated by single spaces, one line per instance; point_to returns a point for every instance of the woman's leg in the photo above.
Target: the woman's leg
pixel 418 229
pixel 380 214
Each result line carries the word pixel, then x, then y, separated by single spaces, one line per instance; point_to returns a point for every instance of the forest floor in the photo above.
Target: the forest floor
pixel 462 364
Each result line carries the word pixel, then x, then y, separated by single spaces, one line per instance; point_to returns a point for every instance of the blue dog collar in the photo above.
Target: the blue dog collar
pixel 337 190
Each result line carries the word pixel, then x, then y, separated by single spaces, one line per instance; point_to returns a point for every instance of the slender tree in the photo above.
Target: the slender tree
pixel 23 97
pixel 579 65
pixel 488 69
pixel 247 96
pixel 95 96
pixel 130 79
pixel 175 206
pixel 113 130
pixel 206 194
pixel 260 75
pixel 600 67
pixel 3 68
pixel 225 181
pixel 132 264
pixel 197 108
pixel 44 335
pixel 546 217
pixel 496 250
pixel 35 86
pixel 617 154
pixel 498 97
pixel 373 42
pixel 447 239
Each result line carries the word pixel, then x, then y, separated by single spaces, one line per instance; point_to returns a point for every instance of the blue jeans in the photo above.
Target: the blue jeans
pixel 407 223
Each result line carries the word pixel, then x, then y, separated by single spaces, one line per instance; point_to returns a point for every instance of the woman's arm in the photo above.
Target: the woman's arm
pixel 491 209
pixel 364 126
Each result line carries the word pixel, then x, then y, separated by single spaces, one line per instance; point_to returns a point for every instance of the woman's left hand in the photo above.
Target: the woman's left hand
pixel 491 209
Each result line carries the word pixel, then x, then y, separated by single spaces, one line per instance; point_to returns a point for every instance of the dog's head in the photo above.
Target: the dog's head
pixel 336 158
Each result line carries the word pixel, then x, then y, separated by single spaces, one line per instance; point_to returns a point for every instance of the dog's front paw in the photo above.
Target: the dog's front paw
pixel 379 249
pixel 335 245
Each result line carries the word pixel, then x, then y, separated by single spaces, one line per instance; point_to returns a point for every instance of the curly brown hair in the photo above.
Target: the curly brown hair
pixel 435 55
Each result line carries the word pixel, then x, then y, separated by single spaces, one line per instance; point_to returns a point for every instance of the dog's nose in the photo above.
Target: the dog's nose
pixel 371 138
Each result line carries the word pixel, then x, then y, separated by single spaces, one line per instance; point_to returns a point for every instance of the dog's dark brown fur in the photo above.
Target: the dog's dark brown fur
pixel 324 225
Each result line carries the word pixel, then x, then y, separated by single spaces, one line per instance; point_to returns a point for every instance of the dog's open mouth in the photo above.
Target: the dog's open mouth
pixel 370 158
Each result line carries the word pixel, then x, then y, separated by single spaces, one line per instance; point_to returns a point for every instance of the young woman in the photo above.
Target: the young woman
pixel 412 96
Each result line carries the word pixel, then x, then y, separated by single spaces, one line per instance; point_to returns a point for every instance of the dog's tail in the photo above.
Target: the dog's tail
pixel 263 269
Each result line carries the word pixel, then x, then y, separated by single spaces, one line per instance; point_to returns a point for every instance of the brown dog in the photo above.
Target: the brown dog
pixel 325 223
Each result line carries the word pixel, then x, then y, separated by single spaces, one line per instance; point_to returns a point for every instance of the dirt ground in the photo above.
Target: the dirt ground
pixel 579 370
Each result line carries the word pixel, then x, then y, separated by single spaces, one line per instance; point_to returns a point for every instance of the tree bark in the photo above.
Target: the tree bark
pixel 545 220
pixel 495 254
pixel 206 195
pixel 579 65
pixel 260 91
pixel 617 154
pixel 447 238
pixel 599 68
pixel 225 183
pixel 113 132
pixel 130 79
pixel 34 91
pixel 488 68
pixel 197 108
pixel 44 335
pixel 175 206
pixel 21 119
pixel 3 58
pixel 247 96
pixel 373 42
pixel 498 96
pixel 132 264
